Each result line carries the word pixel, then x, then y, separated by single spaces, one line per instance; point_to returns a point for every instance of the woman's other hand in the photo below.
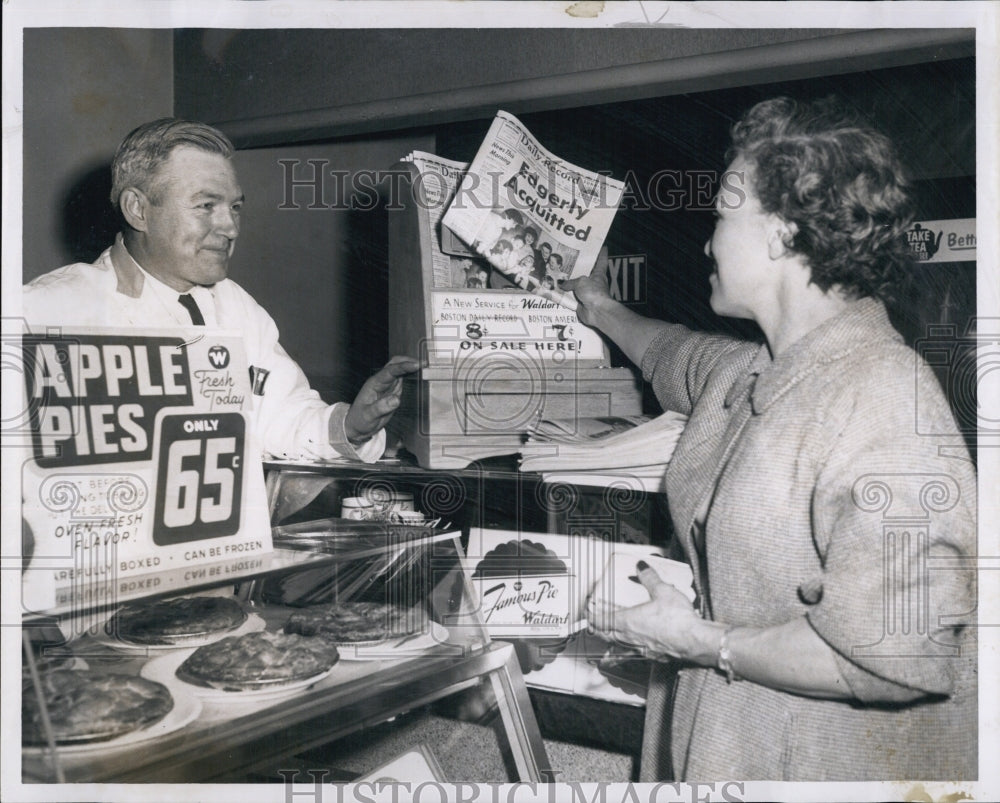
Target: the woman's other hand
pixel 668 626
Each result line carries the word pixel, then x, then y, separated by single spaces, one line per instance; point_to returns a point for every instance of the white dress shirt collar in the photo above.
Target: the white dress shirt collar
pixel 167 297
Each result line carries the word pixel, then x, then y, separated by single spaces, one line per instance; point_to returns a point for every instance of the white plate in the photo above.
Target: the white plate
pixel 395 649
pixel 164 669
pixel 252 624
pixel 186 709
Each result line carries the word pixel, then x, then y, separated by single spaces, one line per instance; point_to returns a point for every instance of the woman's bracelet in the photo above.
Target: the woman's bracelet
pixel 725 657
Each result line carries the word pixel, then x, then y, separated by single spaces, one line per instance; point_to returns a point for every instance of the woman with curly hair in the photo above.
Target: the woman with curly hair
pixel 830 539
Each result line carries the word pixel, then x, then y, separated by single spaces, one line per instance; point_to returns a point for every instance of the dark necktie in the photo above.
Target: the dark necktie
pixel 192 307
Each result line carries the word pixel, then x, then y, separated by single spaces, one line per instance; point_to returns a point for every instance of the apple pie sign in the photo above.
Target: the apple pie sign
pixel 139 458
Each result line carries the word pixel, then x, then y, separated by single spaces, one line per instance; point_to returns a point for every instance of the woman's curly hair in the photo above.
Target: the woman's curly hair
pixel 821 167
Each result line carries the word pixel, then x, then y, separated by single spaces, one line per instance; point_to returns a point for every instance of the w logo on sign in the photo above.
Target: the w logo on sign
pixel 218 356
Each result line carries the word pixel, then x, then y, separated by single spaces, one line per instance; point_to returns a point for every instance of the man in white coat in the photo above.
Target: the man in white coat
pixel 178 192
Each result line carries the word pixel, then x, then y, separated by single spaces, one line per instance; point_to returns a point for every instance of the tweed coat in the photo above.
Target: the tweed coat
pixel 829 483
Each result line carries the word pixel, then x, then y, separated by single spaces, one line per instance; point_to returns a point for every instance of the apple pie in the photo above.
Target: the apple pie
pixel 258 661
pixel 357 622
pixel 90 706
pixel 177 621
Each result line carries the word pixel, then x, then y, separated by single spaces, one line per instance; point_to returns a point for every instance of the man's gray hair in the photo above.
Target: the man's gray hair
pixel 147 147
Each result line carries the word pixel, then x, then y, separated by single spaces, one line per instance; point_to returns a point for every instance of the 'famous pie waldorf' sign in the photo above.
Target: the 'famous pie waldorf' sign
pixel 527 586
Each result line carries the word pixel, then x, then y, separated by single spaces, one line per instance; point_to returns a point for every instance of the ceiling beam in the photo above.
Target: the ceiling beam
pixel 852 51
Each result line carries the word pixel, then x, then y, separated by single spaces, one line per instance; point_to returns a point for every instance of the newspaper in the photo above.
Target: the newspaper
pixel 580 430
pixel 639 445
pixel 453 267
pixel 475 311
pixel 537 219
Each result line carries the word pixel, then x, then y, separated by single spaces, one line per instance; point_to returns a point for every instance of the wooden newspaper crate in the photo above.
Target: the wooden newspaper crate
pixel 480 393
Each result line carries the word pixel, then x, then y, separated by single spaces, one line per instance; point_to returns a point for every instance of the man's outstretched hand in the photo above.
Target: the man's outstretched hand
pixel 378 399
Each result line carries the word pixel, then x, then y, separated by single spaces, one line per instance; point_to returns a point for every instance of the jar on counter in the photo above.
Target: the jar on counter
pixel 359 508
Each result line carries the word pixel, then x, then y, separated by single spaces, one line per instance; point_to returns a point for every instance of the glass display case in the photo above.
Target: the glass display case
pixel 491 502
pixel 488 493
pixel 435 660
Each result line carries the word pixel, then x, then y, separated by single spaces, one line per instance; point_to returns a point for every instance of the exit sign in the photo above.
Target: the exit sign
pixel 627 277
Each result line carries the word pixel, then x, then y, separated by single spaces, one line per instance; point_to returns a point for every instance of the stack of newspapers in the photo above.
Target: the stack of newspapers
pixel 605 450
